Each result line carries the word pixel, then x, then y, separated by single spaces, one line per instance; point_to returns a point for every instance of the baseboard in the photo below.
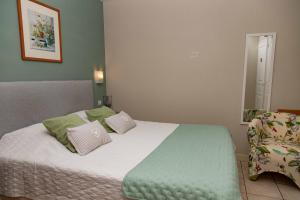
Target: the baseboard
pixel 242 157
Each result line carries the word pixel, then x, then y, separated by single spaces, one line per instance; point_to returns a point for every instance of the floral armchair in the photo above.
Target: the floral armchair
pixel 274 140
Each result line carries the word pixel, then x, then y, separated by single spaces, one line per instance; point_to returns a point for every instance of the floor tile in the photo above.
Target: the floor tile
pixel 257 197
pixel 242 157
pixel 239 165
pixel 244 163
pixel 289 192
pixel 245 171
pixel 245 168
pixel 264 185
pixel 244 196
pixel 240 170
pixel 241 178
pixel 242 188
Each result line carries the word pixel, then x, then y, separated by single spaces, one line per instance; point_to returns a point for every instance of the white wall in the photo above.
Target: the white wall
pixel 150 72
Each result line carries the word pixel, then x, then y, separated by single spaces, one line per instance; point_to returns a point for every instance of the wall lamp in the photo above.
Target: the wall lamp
pixel 98 75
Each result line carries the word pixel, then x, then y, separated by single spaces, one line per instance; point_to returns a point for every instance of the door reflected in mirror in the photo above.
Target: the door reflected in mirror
pixel 258 70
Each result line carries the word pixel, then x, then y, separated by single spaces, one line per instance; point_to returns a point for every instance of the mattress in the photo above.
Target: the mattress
pixel 34 165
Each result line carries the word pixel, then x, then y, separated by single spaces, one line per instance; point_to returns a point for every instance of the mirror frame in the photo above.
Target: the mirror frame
pixel 273 34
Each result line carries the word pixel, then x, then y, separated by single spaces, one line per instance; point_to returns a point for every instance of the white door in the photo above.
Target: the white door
pixel 268 79
pixel 261 72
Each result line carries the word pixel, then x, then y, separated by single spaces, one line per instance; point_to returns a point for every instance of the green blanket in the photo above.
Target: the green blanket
pixel 196 162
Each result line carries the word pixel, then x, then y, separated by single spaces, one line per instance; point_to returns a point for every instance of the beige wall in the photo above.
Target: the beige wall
pixel 250 91
pixel 153 74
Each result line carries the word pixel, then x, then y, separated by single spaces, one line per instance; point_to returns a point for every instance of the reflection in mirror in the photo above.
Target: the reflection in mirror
pixel 258 70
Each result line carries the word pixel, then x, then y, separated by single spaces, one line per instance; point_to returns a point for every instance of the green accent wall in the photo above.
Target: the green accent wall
pixel 82 44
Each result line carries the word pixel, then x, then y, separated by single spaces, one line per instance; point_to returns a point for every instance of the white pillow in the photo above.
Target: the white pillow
pixel 120 123
pixel 82 115
pixel 87 137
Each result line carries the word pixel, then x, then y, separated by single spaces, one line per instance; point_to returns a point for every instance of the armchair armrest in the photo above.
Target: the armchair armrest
pixel 255 128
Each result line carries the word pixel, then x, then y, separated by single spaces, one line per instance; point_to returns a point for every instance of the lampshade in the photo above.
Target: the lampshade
pixel 98 75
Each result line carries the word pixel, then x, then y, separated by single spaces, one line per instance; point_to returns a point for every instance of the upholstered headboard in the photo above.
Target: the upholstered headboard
pixel 26 103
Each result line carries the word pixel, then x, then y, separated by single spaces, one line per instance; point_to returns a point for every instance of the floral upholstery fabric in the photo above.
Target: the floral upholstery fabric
pixel 274 140
pixel 250 114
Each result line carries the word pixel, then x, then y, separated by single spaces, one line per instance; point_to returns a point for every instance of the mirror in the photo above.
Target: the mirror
pixel 258 70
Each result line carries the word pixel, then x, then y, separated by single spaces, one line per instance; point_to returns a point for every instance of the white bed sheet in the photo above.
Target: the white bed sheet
pixel 34 165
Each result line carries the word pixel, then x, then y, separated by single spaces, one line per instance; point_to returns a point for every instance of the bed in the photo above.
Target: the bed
pixel 46 173
pixel 145 163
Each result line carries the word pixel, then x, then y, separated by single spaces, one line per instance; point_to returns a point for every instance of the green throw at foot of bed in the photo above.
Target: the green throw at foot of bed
pixel 196 162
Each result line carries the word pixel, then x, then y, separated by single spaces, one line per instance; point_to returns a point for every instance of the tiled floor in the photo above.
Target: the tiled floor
pixel 269 186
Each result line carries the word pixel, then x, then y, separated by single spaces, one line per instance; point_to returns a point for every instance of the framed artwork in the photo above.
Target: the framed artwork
pixel 40 31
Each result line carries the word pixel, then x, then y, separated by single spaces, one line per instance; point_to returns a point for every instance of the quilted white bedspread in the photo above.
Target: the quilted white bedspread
pixel 34 165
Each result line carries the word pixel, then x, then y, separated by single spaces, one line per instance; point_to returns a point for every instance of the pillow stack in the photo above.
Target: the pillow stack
pixel 82 136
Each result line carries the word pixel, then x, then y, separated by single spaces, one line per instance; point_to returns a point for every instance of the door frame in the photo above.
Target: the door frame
pixel 273 34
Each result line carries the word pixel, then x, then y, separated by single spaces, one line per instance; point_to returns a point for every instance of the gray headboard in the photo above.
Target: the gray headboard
pixel 26 103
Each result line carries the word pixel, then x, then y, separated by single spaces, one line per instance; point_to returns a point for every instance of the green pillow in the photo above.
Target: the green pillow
pixel 100 114
pixel 58 128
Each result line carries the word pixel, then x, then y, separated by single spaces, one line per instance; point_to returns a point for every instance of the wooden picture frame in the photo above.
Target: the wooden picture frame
pixel 40 31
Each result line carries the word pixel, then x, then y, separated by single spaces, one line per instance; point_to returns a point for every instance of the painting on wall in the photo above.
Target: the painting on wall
pixel 40 31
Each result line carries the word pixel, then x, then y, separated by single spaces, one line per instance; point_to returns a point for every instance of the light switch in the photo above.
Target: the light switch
pixel 195 54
